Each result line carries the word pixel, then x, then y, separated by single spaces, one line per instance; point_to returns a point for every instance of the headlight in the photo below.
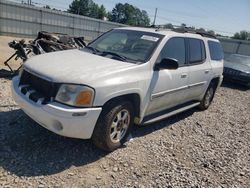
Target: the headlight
pixel 75 95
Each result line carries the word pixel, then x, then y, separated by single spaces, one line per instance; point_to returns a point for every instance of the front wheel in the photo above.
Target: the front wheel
pixel 113 125
pixel 208 97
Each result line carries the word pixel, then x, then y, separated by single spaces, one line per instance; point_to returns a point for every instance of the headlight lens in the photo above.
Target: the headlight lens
pixel 75 95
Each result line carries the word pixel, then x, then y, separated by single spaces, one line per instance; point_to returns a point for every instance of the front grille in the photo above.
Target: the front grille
pixel 230 71
pixel 36 88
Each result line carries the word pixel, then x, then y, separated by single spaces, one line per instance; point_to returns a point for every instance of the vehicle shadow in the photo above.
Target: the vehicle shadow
pixel 140 131
pixel 27 149
pixel 234 85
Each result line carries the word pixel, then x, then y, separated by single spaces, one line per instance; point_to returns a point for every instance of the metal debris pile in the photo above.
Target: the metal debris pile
pixel 44 43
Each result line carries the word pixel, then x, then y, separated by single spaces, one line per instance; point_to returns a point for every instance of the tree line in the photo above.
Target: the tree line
pixel 121 13
pixel 171 26
pixel 242 35
pixel 130 15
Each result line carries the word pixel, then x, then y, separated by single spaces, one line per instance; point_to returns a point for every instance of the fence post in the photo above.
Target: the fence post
pixel 41 19
pixel 99 28
pixel 73 25
pixel 238 47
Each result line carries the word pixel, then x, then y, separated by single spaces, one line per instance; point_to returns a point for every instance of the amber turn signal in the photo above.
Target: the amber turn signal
pixel 84 98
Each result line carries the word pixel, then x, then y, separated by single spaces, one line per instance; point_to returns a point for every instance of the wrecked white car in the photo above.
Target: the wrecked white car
pixel 126 76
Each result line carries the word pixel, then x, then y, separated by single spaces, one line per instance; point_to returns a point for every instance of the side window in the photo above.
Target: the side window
pixel 216 51
pixel 174 48
pixel 197 53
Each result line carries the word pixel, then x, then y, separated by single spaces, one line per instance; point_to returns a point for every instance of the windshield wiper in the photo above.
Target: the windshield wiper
pixel 93 49
pixel 121 57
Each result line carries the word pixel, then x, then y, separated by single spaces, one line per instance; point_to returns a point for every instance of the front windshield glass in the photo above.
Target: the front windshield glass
pixel 133 46
pixel 239 59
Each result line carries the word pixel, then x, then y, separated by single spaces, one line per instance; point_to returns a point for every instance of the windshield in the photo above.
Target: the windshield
pixel 239 59
pixel 129 45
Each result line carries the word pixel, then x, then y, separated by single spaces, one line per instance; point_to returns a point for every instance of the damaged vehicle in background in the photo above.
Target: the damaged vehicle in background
pixel 237 69
pixel 45 42
pixel 126 76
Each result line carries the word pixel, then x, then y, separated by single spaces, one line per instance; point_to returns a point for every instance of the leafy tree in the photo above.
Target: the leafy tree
pixel 47 7
pixel 242 35
pixel 183 25
pixel 102 12
pixel 192 27
pixel 129 14
pixel 211 32
pixel 87 8
pixel 236 36
pixel 201 30
pixel 168 26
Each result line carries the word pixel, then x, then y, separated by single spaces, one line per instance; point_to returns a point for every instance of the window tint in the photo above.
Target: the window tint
pixel 136 46
pixel 216 51
pixel 203 51
pixel 117 39
pixel 196 50
pixel 174 48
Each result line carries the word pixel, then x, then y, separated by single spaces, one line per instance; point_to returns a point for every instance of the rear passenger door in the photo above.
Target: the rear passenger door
pixel 199 68
pixel 169 88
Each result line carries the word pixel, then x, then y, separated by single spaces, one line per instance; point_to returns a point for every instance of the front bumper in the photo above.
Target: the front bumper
pixel 236 76
pixel 60 119
pixel 245 80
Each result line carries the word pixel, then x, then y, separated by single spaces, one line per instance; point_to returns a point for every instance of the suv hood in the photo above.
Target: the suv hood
pixel 73 66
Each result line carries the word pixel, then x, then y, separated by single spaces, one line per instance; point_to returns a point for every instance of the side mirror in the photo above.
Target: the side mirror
pixel 167 63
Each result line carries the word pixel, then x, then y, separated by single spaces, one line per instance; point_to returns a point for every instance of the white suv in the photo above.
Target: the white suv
pixel 126 76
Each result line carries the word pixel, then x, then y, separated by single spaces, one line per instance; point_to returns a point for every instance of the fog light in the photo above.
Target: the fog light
pixel 57 126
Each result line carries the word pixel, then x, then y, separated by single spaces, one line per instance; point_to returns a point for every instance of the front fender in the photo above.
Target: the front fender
pixel 107 93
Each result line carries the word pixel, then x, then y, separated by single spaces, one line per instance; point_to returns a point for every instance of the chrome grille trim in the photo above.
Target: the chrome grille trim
pixel 40 101
pixel 29 93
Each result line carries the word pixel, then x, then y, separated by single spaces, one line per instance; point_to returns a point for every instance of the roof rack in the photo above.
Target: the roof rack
pixel 181 29
pixel 191 30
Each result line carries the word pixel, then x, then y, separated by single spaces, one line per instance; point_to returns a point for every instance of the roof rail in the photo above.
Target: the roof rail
pixel 182 29
pixel 195 31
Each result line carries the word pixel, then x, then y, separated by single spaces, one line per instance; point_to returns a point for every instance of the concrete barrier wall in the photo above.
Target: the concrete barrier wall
pixel 232 46
pixel 25 20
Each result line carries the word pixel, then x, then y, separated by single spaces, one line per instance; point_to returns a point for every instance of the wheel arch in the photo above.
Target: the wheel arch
pixel 215 81
pixel 134 98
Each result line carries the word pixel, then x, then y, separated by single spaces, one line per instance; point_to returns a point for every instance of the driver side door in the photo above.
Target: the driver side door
pixel 169 86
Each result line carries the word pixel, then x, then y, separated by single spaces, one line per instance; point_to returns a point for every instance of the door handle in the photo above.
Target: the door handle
pixel 184 75
pixel 206 71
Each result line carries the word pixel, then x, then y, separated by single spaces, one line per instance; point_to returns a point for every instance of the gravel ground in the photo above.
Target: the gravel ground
pixel 192 149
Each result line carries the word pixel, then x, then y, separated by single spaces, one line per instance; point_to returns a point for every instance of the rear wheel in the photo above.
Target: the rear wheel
pixel 113 125
pixel 208 97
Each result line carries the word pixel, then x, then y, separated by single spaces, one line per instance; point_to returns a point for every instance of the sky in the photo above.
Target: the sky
pixel 223 16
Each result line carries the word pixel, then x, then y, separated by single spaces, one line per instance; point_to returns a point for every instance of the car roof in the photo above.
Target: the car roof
pixel 167 32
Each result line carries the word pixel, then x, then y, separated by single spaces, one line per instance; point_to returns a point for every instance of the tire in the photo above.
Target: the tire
pixel 113 126
pixel 208 97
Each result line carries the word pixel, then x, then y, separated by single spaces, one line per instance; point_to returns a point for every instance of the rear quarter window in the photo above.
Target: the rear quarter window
pixel 197 52
pixel 216 51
